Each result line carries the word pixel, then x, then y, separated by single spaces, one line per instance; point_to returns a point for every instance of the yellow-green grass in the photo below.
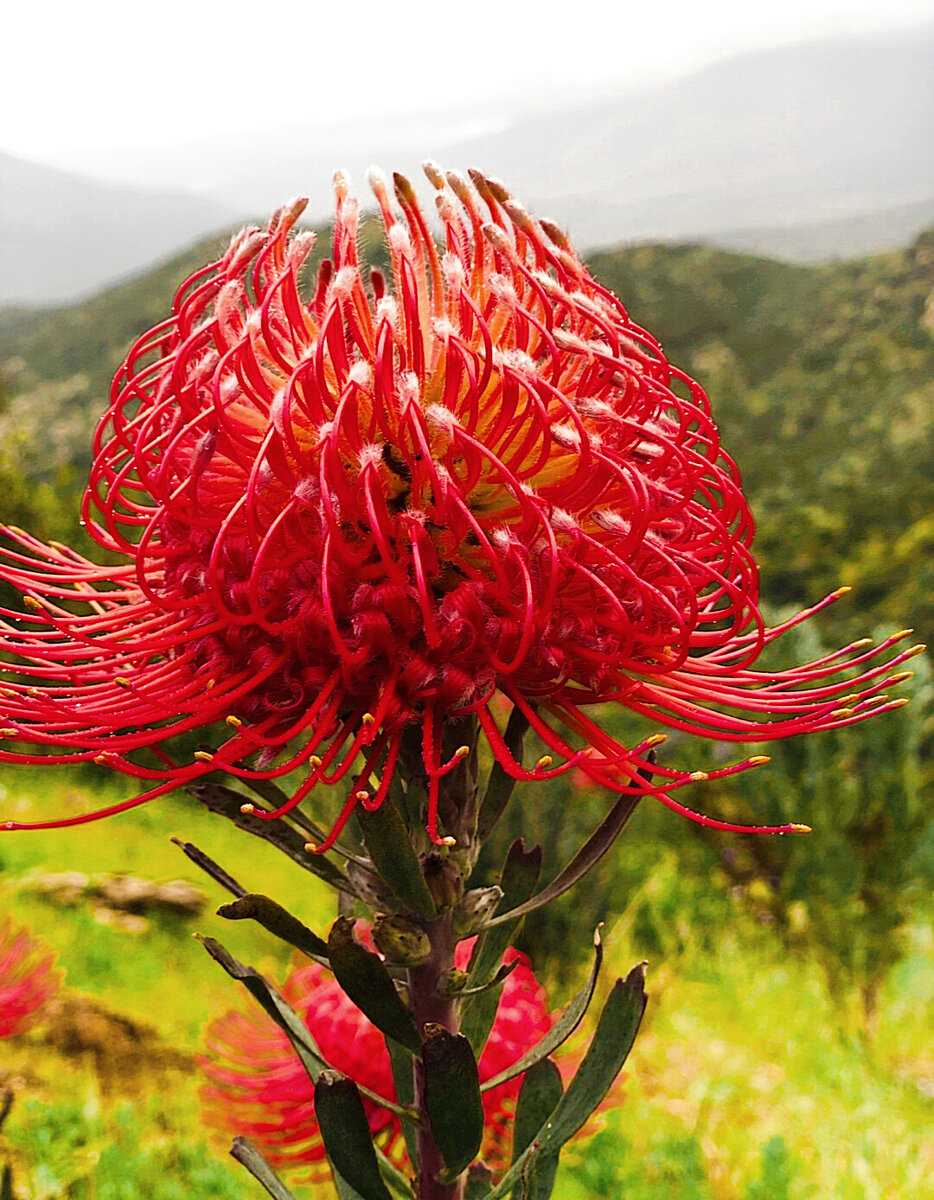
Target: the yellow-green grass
pixel 742 1084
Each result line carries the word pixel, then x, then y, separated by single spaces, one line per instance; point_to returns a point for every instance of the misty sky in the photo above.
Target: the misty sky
pixel 130 91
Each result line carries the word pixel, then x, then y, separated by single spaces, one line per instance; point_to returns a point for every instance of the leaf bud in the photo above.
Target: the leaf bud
pixel 400 940
pixel 476 908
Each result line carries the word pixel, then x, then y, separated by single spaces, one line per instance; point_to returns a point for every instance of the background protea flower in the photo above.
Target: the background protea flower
pixel 258 1086
pixel 369 506
pixel 28 980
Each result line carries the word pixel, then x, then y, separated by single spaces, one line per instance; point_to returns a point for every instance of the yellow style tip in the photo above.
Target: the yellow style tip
pixel 204 756
pixel 247 808
pixel 232 721
pixel 698 776
pixel 841 591
pixel 801 828
pixel 759 760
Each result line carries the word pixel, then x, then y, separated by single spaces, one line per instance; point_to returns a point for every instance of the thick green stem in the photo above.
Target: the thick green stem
pixel 431 1005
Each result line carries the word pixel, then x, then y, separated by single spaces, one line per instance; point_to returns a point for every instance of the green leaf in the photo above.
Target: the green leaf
pixel 346 1134
pixel 452 1097
pixel 479 1182
pixel 502 973
pixel 287 1019
pixel 519 876
pixel 248 1156
pixel 387 841
pixel 403 1078
pixel 562 1029
pixel 538 1098
pixel 369 985
pixel 277 920
pixel 500 786
pixel 588 856
pixel 210 867
pixel 608 1050
pixel 224 800
pixel 275 1006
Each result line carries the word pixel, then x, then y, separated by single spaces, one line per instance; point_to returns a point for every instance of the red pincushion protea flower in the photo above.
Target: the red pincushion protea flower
pixel 259 1088
pixel 28 981
pixel 376 504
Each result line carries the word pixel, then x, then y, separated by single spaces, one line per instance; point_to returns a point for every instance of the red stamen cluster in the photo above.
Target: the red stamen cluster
pixel 259 1088
pixel 28 980
pixel 376 502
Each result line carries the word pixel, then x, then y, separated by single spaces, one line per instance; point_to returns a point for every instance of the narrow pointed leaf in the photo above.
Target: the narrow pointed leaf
pixel 287 1019
pixel 541 1090
pixel 278 920
pixel 538 1098
pixel 452 1097
pixel 369 985
pixel 562 1029
pixel 502 973
pixel 210 867
pixel 250 1157
pixel 387 841
pixel 608 1050
pixel 219 799
pixel 500 786
pixel 346 1134
pixel 274 1005
pixel 587 857
pixel 403 1078
pixel 519 877
pixel 479 1182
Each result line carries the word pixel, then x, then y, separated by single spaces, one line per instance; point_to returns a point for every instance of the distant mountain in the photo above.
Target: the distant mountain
pixel 63 235
pixel 807 152
pixel 811 151
pixel 810 135
pixel 845 237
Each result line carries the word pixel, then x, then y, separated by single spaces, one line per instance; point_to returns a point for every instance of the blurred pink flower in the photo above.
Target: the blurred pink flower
pixel 257 1086
pixel 28 980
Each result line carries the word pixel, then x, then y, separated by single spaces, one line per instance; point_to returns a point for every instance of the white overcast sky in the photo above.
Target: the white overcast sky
pixel 118 88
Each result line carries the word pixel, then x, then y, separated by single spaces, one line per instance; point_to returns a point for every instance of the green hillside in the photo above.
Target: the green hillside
pixel 822 379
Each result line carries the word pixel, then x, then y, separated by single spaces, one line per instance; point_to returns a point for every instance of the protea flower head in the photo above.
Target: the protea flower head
pixel 28 980
pixel 258 1087
pixel 346 511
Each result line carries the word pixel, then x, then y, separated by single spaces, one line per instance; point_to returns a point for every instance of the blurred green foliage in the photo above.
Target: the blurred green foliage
pixel 77 1152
